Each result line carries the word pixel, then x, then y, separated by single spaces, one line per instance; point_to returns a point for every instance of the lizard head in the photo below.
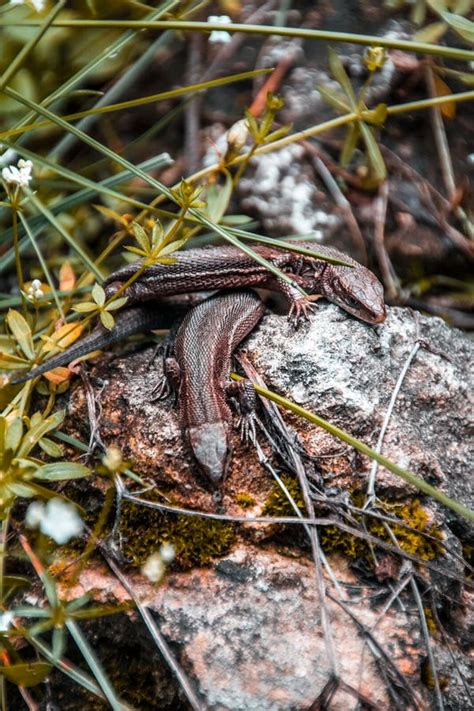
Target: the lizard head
pixel 356 290
pixel 209 444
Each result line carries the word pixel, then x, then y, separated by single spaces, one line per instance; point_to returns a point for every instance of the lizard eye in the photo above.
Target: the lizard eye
pixel 353 303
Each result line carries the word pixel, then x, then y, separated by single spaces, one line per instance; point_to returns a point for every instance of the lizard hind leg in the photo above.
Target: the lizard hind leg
pixel 243 393
pixel 169 381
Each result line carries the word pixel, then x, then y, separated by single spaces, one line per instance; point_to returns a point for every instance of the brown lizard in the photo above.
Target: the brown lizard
pixel 354 288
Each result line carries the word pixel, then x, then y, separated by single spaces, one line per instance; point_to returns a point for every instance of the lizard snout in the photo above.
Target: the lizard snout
pixel 209 444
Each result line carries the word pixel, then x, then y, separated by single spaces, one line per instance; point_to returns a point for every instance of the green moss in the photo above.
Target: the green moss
pixel 245 500
pixel 277 503
pixel 430 620
pixel 196 540
pixel 410 539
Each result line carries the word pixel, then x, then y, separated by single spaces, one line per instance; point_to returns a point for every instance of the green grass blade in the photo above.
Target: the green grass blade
pixel 74 177
pixel 404 474
pixel 44 266
pixel 94 665
pixel 201 217
pixel 14 66
pixel 142 101
pixel 67 668
pixel 65 234
pixel 78 198
pixel 267 30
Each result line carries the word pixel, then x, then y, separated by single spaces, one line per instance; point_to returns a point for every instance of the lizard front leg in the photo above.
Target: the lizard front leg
pixel 300 304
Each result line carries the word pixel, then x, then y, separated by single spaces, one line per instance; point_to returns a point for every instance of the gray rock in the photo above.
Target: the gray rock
pixel 247 628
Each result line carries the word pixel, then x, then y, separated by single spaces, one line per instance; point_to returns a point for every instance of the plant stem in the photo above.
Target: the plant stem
pixel 266 30
pixel 408 476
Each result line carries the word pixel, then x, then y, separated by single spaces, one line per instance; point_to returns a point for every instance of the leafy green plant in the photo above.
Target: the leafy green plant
pixel 361 126
pixel 49 62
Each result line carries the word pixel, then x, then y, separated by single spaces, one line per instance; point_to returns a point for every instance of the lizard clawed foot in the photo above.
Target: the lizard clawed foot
pixel 246 424
pixel 300 310
pixel 162 389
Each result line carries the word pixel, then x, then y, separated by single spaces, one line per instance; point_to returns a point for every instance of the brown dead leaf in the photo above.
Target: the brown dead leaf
pixel 67 278
pixel 442 89
pixel 58 375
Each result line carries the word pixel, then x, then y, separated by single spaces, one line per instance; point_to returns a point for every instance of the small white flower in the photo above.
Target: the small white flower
pixel 167 552
pixel 38 293
pixel 58 520
pixel 153 568
pixel 36 284
pixel 6 620
pixel 37 4
pixel 18 175
pixel 34 514
pixel 219 36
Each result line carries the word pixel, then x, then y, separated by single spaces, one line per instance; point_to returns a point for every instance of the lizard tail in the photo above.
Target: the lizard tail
pixel 129 322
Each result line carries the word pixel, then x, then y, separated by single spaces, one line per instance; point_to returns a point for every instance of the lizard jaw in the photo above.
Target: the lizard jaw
pixel 209 444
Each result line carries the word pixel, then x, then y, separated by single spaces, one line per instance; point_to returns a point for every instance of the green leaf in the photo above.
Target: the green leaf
pixel 172 247
pixel 51 448
pixel 117 303
pixel 11 362
pixel 78 603
pixel 98 294
pixel 22 332
pixel 462 7
pixel 7 343
pixel 465 77
pixel 20 489
pixel 339 73
pixel 279 133
pixel 431 33
pixel 61 471
pixel 35 433
pixel 374 155
pixel 26 674
pixel 252 124
pixel 334 99
pixel 418 13
pixel 137 250
pixel 59 643
pixel 218 197
pixel 461 25
pixel 13 434
pixel 32 611
pixel 141 236
pixel 157 234
pixel 85 307
pixel 107 320
pixel 350 144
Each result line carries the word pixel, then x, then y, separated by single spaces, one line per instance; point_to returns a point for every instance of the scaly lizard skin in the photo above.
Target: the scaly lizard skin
pixel 200 369
pixel 355 289
pixel 129 321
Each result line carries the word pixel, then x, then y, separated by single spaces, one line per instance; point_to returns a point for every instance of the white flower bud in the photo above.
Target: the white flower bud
pixel 237 135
